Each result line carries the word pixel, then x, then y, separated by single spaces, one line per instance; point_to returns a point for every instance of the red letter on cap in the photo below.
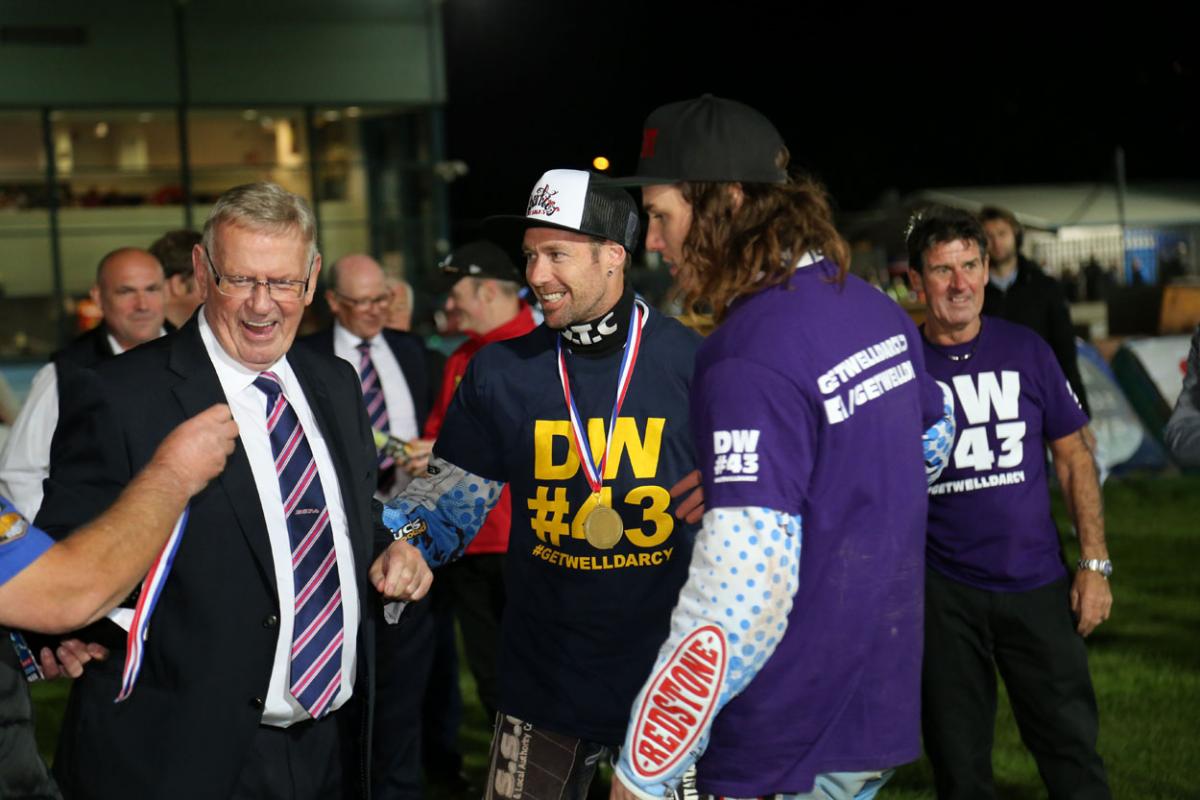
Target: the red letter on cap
pixel 649 137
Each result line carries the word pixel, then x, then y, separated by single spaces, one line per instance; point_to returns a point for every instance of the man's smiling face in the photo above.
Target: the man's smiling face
pixel 258 330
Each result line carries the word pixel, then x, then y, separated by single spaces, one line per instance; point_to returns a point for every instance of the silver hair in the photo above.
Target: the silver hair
pixel 266 208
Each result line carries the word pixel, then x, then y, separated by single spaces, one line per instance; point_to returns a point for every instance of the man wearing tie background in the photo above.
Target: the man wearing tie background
pixel 256 673
pixel 397 393
pixel 392 365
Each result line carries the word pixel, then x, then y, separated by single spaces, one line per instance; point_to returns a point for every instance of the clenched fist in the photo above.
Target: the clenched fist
pixel 195 452
pixel 401 573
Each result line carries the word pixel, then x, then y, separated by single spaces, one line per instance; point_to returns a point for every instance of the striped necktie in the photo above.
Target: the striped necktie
pixel 373 397
pixel 316 655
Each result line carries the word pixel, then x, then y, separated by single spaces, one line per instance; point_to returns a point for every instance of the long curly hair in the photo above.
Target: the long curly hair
pixel 733 250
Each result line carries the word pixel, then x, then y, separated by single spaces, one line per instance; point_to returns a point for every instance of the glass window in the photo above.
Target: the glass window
pixel 341 182
pixel 120 184
pixel 26 271
pixel 229 147
pixel 400 174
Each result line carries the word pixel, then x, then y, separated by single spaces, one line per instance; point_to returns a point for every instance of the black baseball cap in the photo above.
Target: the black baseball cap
pixel 572 200
pixel 708 139
pixel 478 259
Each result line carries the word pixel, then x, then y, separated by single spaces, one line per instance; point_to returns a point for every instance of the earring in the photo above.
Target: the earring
pixel 610 272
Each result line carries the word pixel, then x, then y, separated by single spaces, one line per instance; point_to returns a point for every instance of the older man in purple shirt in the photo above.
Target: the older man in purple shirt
pixel 998 594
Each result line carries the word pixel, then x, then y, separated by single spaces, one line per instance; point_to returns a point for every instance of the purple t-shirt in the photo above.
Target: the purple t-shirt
pixel 989 513
pixel 811 399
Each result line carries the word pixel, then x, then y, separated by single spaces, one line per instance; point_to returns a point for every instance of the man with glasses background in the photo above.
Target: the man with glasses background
pixel 397 391
pixel 257 661
pixel 359 297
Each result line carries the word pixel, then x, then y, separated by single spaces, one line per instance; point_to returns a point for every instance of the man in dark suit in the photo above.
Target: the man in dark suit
pixel 394 361
pixel 129 292
pixel 397 393
pixel 1020 292
pixel 256 680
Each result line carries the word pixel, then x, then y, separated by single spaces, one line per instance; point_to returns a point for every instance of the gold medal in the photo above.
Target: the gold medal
pixel 603 527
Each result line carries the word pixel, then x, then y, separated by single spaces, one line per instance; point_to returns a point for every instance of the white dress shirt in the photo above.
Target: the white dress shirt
pixel 402 414
pixel 25 458
pixel 249 407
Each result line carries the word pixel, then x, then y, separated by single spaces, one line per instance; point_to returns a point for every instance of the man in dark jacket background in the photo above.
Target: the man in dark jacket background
pixel 1020 292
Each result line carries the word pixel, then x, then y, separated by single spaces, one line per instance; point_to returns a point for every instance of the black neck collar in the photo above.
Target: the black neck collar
pixel 958 353
pixel 604 335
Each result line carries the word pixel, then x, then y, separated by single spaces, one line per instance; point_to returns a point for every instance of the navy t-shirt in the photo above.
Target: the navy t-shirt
pixel 989 512
pixel 811 399
pixel 582 626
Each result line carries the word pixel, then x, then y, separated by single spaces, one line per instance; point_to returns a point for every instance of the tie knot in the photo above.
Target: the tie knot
pixel 364 347
pixel 269 384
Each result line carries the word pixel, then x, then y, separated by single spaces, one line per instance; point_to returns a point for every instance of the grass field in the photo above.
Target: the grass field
pixel 1145 660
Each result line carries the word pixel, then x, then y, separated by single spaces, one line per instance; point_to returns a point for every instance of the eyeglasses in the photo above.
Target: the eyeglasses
pixel 243 286
pixel 363 303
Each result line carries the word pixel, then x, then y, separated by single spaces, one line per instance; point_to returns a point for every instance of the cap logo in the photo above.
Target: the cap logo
pixel 649 139
pixel 541 202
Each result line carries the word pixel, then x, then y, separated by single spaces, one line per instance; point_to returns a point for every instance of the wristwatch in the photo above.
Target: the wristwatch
pixel 1101 565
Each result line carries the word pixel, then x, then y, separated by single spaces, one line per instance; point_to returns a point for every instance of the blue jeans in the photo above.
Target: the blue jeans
pixel 847 786
pixel 842 786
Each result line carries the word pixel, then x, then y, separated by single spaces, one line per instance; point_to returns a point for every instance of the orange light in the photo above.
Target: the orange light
pixel 600 163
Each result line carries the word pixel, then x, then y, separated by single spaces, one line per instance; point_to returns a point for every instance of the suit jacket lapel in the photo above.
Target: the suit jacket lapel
pixel 198 390
pixel 103 348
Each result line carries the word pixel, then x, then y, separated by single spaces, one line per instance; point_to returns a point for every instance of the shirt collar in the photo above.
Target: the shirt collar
pixel 520 324
pixel 1003 283
pixel 234 376
pixel 116 347
pixel 344 338
pixel 808 259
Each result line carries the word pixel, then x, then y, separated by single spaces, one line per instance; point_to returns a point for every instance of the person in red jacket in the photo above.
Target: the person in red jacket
pixel 485 303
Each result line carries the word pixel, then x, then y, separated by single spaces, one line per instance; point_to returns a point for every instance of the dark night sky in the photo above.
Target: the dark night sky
pixel 866 101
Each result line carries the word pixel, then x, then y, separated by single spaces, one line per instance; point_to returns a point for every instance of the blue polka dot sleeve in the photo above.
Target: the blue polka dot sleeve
pixel 452 502
pixel 745 570
pixel 938 440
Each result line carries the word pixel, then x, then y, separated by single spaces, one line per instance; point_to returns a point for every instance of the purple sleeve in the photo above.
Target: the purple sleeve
pixel 1062 413
pixel 755 433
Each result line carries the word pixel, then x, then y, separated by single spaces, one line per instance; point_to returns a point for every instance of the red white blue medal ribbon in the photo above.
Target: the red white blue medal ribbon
pixel 633 341
pixel 152 587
